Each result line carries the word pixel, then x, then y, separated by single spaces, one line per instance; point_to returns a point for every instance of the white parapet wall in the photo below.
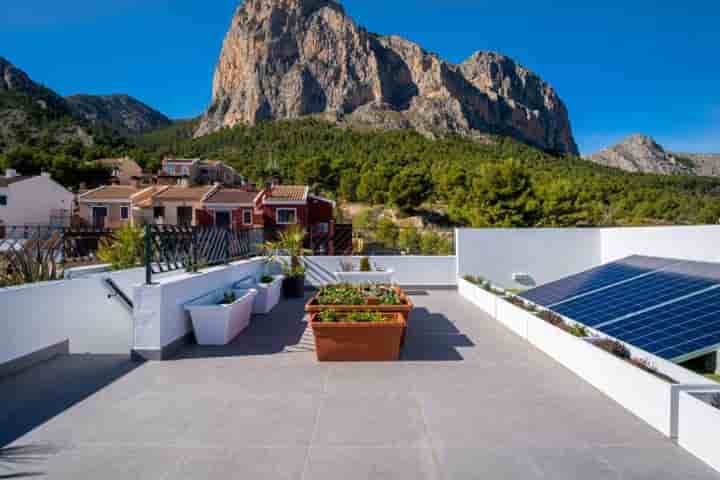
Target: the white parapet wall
pixel 161 323
pixel 544 255
pixel 408 270
pixel 79 312
pixel 699 243
pixel 699 426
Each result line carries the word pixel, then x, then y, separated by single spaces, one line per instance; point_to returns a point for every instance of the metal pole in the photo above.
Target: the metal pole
pixel 148 255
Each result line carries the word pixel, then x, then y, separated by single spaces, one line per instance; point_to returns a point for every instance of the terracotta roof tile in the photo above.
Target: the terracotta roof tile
pixel 190 194
pixel 293 193
pixel 111 192
pixel 232 196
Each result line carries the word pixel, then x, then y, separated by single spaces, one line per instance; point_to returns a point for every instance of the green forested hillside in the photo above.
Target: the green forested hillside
pixel 505 184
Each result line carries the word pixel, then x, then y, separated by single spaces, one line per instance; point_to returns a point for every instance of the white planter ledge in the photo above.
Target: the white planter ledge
pixel 362 278
pixel 219 324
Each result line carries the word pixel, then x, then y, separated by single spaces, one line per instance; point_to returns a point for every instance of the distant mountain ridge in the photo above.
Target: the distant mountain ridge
pixel 122 113
pixel 30 112
pixel 286 59
pixel 642 154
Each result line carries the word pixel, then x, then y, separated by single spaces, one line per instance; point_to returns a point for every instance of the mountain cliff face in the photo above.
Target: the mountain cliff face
pixel 640 153
pixel 285 59
pixel 121 113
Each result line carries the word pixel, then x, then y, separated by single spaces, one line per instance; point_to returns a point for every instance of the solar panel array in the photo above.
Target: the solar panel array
pixel 594 279
pixel 670 308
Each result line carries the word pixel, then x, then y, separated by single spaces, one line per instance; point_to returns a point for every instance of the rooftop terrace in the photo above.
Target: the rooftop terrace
pixel 469 400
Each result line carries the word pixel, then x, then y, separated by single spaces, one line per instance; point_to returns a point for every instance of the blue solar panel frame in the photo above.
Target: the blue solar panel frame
pixel 599 308
pixel 595 279
pixel 674 330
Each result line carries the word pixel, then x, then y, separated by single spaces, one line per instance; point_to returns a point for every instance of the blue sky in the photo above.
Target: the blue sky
pixel 620 66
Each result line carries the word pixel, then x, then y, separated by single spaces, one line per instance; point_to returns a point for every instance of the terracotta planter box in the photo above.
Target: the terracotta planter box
pixel 403 309
pixel 358 342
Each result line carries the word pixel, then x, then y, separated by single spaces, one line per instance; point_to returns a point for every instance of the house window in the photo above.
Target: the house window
pixel 158 212
pixel 222 219
pixel 170 169
pixel 286 216
pixel 322 227
pixel 124 213
pixel 247 217
pixel 184 216
pixel 3 201
pixel 185 171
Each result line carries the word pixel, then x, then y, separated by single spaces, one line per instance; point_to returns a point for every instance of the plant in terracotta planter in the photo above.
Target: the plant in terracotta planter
pixel 357 336
pixel 291 243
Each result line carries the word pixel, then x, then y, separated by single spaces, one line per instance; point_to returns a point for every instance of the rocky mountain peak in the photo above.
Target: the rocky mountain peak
pixel 286 59
pixel 641 153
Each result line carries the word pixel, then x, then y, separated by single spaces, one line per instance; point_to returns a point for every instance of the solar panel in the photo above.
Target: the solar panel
pixel 673 330
pixel 594 279
pixel 675 281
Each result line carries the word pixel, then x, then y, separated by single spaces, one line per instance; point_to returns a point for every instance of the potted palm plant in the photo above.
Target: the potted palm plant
pixel 288 250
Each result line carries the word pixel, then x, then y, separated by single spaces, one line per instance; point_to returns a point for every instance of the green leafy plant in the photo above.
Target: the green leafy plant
pixel 578 330
pixel 365 265
pixel 328 316
pixel 365 317
pixel 229 298
pixel 290 243
pixel 125 250
pixel 342 294
pixel 36 260
pixel 614 347
pixel 266 279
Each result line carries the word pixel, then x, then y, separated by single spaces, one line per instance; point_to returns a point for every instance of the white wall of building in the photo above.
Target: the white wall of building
pixel 41 315
pixel 700 243
pixel 409 270
pixel 31 201
pixel 543 254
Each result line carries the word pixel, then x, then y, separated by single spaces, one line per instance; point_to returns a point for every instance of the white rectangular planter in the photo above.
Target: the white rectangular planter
pixel 515 318
pixel 483 299
pixel 642 393
pixel 698 427
pixel 363 278
pixel 219 324
pixel 268 295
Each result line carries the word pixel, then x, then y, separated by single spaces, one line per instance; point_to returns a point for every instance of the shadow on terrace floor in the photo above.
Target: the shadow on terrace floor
pixel 431 336
pixel 31 398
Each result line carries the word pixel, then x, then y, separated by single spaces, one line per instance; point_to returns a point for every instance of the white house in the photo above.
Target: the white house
pixel 33 201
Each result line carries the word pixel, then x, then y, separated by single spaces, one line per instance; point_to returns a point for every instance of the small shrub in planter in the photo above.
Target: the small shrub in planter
pixel 650 368
pixel 229 298
pixel 365 265
pixel 578 330
pixel 715 401
pixel 614 347
pixel 553 319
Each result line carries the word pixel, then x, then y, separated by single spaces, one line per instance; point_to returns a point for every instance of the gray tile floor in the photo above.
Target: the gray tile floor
pixel 469 401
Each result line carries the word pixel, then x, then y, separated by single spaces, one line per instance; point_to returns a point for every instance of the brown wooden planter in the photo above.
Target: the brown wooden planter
pixel 358 342
pixel 404 309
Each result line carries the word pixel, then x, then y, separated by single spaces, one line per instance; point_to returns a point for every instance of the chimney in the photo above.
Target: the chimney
pixel 11 173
